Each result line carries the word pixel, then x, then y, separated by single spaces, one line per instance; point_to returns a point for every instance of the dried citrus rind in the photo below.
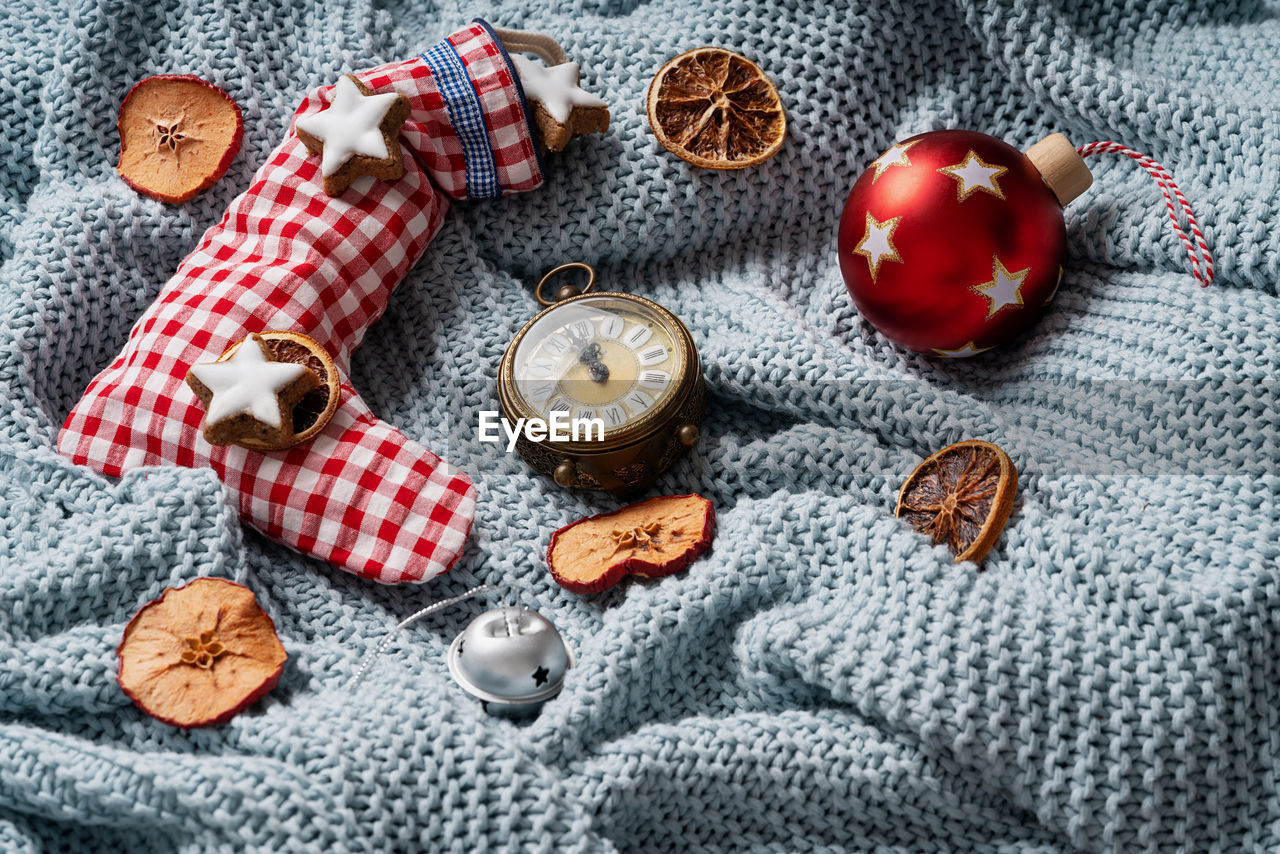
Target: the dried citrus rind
pixel 314 411
pixel 199 654
pixel 178 135
pixel 716 109
pixel 656 537
pixel 961 496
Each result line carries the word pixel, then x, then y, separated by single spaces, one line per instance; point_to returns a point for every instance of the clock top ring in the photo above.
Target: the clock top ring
pixel 566 291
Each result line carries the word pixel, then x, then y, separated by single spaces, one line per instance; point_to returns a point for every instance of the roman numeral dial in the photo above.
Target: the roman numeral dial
pixel 604 357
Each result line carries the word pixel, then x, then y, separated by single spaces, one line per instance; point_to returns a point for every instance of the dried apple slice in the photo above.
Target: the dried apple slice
pixel 656 537
pixel 178 135
pixel 961 496
pixel 200 654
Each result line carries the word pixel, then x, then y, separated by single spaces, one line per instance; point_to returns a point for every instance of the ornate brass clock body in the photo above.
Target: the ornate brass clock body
pixel 620 364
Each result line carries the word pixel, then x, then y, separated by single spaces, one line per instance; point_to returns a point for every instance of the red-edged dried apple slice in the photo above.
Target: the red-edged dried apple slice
pixel 656 537
pixel 178 135
pixel 200 654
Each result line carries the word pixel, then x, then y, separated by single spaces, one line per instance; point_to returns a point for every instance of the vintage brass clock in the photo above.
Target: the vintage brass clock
pixel 619 369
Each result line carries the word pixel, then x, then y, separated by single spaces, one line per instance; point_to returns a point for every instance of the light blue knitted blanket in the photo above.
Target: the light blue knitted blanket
pixel 823 679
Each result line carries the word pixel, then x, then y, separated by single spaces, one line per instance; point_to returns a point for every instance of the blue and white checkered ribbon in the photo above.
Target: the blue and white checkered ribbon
pixel 468 119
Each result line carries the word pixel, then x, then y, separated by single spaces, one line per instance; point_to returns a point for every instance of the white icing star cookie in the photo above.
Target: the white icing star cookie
pixel 562 109
pixel 249 395
pixel 356 134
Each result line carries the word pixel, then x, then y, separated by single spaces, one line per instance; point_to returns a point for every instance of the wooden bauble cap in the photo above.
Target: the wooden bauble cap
pixel 1061 167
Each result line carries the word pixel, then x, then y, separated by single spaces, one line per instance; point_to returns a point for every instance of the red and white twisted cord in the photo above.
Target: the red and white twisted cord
pixel 1198 252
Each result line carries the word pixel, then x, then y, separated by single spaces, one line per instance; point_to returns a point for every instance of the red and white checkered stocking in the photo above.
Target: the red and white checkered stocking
pixel 285 256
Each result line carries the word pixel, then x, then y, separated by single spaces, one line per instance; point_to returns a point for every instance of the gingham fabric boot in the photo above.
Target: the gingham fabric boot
pixel 286 256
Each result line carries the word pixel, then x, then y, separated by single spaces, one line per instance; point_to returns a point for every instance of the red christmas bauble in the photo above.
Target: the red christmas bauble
pixel 951 243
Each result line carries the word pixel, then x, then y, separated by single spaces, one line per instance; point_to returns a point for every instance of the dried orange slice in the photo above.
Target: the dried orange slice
pixel 961 496
pixel 656 537
pixel 313 412
pixel 200 654
pixel 178 135
pixel 716 109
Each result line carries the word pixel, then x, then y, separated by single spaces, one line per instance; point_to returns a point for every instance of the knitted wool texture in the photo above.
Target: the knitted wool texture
pixel 823 679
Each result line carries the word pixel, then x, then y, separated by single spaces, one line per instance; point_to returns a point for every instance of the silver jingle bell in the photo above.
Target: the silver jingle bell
pixel 511 659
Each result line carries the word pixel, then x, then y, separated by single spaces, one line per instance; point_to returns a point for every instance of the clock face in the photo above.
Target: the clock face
pixel 602 357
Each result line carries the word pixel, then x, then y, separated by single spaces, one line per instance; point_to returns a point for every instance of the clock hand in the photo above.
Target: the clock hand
pixel 590 356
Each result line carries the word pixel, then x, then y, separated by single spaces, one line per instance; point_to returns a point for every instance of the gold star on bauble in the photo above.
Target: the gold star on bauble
pixel 963 353
pixel 877 244
pixel 895 156
pixel 974 174
pixel 1003 290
